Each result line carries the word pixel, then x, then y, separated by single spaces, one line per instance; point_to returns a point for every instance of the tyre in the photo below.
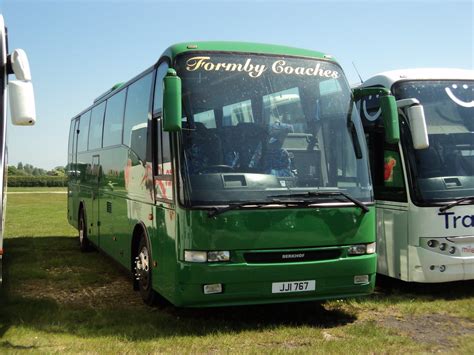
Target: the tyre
pixel 84 243
pixel 143 271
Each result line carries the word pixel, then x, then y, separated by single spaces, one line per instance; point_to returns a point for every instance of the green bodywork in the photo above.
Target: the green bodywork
pixel 242 47
pixel 112 187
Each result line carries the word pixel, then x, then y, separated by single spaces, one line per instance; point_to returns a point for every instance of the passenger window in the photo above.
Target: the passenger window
pixel 206 118
pixel 285 107
pixel 83 132
pixel 114 119
pixel 237 113
pixel 136 116
pixel 97 122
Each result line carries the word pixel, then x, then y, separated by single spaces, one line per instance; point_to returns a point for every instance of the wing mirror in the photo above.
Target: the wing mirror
pixel 416 118
pixel 172 102
pixel 388 106
pixel 20 92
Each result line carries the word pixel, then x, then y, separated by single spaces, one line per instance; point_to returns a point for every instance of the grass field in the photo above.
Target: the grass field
pixel 56 299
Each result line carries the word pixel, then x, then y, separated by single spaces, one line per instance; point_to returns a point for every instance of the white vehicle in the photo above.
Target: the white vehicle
pixel 22 109
pixel 424 184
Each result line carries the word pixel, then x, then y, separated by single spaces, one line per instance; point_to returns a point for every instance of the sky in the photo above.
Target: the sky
pixel 78 49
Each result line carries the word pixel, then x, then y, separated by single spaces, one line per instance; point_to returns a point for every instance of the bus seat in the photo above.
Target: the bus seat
pixel 202 147
pixel 249 141
pixel 277 159
pixel 429 163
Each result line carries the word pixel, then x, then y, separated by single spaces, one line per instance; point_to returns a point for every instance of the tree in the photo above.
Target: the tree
pixel 20 166
pixel 12 170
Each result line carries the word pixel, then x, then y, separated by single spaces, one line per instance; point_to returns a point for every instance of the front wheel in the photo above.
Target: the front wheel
pixel 143 272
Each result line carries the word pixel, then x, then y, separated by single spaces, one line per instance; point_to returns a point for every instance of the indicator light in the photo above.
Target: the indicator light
pixel 212 289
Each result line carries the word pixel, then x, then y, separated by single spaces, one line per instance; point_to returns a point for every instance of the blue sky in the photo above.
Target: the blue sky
pixel 79 49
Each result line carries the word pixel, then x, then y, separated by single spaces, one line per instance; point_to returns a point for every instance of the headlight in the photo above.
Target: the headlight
pixel 361 249
pixel 357 249
pixel 213 256
pixel 206 256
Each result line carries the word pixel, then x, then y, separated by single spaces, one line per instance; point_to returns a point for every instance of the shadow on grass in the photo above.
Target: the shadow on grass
pixel 44 275
pixel 456 290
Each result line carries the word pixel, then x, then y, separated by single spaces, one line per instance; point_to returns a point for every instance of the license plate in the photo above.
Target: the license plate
pixel 293 286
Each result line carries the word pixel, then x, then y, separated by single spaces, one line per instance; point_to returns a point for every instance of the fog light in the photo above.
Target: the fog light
pixel 432 243
pixel 213 256
pixel 361 279
pixel 442 246
pixel 195 256
pixel 452 250
pixel 442 268
pixel 212 288
pixel 357 249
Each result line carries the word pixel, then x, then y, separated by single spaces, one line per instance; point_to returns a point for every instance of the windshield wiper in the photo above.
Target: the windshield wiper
pixel 457 202
pixel 309 194
pixel 214 211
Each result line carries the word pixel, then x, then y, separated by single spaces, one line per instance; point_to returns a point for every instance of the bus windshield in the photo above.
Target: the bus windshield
pixel 445 170
pixel 257 126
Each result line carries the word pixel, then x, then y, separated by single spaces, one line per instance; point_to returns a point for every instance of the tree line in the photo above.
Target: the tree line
pixel 29 170
pixel 27 175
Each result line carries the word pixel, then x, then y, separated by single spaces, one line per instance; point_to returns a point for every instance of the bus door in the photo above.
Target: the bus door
pixel 95 180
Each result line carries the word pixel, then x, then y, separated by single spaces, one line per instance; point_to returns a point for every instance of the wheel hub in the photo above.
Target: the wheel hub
pixel 142 266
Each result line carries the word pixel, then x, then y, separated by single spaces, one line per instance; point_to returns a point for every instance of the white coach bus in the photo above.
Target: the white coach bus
pixel 22 109
pixel 424 184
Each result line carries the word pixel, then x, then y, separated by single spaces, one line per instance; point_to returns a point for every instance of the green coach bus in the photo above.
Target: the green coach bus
pixel 226 174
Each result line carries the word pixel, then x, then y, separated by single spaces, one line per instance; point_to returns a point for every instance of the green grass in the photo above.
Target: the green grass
pixel 56 299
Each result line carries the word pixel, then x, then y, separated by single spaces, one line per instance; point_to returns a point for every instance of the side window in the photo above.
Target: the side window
pixel 237 113
pixel 332 99
pixel 158 97
pixel 392 173
pixel 72 136
pixel 386 168
pixel 113 123
pixel 71 170
pixel 285 107
pixel 97 122
pixel 206 118
pixel 163 138
pixel 166 154
pixel 136 116
pixel 83 132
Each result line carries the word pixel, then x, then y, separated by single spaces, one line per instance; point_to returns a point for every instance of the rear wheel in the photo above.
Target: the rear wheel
pixel 84 243
pixel 143 272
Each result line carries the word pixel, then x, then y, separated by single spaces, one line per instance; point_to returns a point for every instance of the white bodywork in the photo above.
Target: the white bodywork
pixel 22 110
pixel 404 229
